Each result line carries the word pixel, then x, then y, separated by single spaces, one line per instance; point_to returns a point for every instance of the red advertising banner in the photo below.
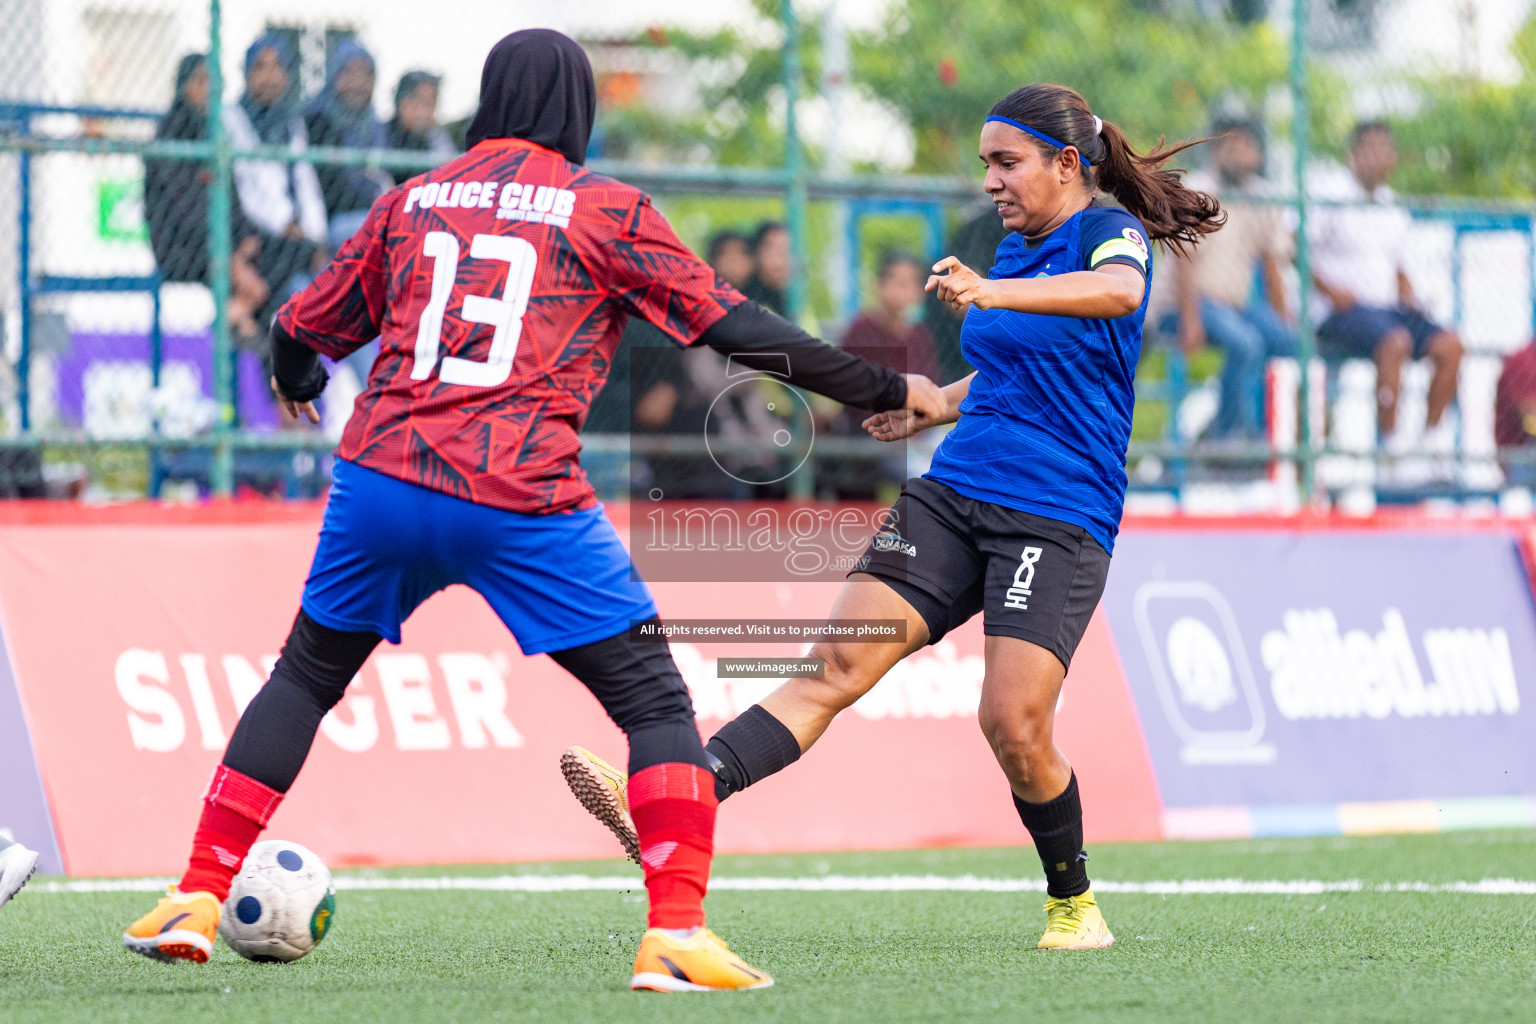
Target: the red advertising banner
pixel 134 648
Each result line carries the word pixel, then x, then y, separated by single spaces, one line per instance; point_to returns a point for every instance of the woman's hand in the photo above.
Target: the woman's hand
pixel 961 287
pixel 895 424
pixel 925 399
pixel 295 410
pixel 928 405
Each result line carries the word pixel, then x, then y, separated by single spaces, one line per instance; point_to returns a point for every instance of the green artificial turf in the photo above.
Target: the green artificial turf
pixel 408 956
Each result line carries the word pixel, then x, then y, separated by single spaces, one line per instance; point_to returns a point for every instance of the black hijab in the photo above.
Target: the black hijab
pixel 537 85
pixel 184 121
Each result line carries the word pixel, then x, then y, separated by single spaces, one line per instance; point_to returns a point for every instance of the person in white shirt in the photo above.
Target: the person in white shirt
pixel 1218 301
pixel 282 200
pixel 1366 298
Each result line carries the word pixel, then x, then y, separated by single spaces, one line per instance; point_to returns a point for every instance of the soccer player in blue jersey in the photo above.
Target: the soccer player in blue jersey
pixel 1017 516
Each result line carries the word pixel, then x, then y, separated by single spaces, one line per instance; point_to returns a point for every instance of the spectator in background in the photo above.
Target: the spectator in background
pixel 893 329
pixel 1218 304
pixel 891 333
pixel 730 253
pixel 1514 412
pixel 342 115
pixel 973 243
pixel 176 207
pixel 773 266
pixel 282 199
pixel 1366 295
pixel 414 125
pixel 677 393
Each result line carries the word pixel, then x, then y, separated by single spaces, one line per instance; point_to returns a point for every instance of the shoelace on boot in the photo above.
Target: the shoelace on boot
pixel 1065 915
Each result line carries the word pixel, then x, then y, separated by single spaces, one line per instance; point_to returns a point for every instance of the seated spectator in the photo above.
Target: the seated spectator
pixel 414 125
pixel 176 207
pixel 773 266
pixel 891 333
pixel 896 321
pixel 342 115
pixel 282 199
pixel 1514 412
pixel 1366 298
pixel 676 394
pixel 730 253
pixel 1215 284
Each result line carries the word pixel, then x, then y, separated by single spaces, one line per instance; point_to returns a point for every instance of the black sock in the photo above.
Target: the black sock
pixel 1057 829
pixel 749 749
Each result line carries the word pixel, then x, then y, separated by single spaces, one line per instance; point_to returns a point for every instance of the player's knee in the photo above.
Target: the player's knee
pixel 322 661
pixel 643 690
pixel 659 703
pixel 638 684
pixel 844 677
pixel 1021 740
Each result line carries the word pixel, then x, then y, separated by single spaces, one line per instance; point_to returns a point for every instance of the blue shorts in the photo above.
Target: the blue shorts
pixel 1355 333
pixel 556 581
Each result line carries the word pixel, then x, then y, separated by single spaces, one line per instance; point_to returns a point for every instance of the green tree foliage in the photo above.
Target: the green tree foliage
pixel 941 65
pixel 944 65
pixel 1151 66
pixel 1471 137
pixel 739 74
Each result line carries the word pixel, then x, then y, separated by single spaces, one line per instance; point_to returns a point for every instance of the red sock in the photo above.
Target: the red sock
pixel 235 810
pixel 673 806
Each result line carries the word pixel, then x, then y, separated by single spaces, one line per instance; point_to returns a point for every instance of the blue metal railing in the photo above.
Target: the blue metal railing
pixel 928 200
pixel 17 118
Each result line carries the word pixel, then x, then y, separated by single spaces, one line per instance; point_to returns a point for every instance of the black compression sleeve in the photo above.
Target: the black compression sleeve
pixel 761 340
pixel 301 377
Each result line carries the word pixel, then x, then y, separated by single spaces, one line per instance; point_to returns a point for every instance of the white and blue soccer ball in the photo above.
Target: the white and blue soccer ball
pixel 281 904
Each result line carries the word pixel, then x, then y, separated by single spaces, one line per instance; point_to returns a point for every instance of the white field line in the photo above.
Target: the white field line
pixel 846 883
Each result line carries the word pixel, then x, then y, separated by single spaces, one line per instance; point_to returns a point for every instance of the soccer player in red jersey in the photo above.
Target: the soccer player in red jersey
pixel 499 285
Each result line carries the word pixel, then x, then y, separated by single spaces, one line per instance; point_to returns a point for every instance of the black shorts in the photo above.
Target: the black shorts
pixel 950 556
pixel 1355 333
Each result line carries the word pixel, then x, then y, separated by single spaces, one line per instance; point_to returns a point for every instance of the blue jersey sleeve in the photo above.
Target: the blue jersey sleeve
pixel 1111 235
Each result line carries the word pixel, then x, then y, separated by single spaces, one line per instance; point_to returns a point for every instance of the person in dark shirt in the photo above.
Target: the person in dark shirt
pixel 414 125
pixel 176 206
pixel 773 268
pixel 342 115
pixel 895 322
pixel 890 333
pixel 730 253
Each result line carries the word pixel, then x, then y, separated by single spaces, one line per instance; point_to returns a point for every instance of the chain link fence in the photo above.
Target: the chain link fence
pixel 170 172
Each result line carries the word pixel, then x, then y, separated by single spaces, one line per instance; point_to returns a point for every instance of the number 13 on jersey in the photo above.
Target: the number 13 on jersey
pixel 504 314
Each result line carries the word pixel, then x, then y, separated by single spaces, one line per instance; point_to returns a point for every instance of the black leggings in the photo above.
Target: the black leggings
pixel 637 684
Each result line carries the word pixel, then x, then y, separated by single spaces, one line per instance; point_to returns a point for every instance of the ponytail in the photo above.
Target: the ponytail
pixel 1171 211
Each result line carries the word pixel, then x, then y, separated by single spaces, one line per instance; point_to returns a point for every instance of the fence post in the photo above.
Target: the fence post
pixel 794 160
pixel 1301 139
pixel 24 280
pixel 802 484
pixel 224 381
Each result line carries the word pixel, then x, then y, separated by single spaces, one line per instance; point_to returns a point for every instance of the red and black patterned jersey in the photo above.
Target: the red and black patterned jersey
pixel 498 285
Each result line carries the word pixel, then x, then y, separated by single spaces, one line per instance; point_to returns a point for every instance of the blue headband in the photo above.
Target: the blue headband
pixel 1037 134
